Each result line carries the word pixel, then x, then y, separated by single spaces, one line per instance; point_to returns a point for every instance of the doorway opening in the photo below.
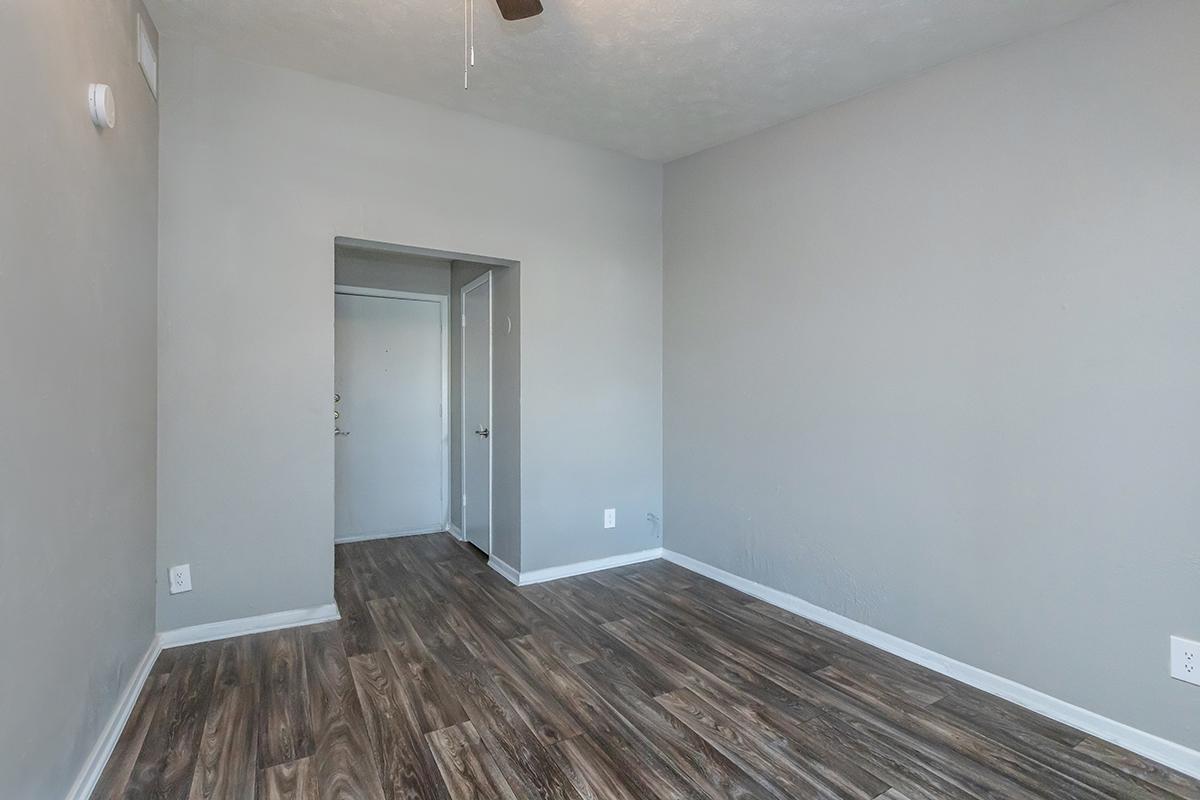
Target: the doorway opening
pixel 426 396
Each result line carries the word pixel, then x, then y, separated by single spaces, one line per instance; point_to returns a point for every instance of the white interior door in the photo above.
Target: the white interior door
pixel 390 444
pixel 477 413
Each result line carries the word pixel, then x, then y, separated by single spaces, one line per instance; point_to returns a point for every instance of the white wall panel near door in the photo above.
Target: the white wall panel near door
pixel 477 412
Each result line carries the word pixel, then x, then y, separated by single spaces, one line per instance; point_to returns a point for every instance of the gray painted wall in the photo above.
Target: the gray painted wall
pixel 395 272
pixel 261 169
pixel 77 356
pixel 931 360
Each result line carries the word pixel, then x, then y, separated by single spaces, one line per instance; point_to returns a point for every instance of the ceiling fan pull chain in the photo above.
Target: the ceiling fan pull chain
pixel 468 41
pixel 509 9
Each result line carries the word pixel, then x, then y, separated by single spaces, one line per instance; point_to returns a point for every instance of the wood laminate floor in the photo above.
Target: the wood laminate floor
pixel 444 681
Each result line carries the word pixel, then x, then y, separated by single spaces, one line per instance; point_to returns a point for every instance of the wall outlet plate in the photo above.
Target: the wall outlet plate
pixel 181 578
pixel 610 518
pixel 1185 660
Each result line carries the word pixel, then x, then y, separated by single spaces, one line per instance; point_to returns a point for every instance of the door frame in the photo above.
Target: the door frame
pixel 462 306
pixel 443 303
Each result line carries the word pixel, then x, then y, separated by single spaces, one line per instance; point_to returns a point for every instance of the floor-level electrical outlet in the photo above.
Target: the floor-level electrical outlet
pixel 610 518
pixel 181 578
pixel 1185 660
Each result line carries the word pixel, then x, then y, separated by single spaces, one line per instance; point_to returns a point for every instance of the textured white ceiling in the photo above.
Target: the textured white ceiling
pixel 654 78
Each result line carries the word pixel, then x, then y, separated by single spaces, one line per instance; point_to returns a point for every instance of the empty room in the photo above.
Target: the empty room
pixel 600 399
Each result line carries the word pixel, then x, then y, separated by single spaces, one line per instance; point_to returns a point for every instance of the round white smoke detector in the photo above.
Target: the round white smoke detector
pixel 102 105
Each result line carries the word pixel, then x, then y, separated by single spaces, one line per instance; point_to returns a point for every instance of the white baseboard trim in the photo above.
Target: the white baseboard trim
pixel 583 567
pixel 1173 755
pixel 456 532
pixel 211 631
pixel 370 537
pixel 511 575
pixel 89 775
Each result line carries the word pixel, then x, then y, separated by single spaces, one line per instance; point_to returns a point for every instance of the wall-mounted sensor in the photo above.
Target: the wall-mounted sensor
pixel 102 105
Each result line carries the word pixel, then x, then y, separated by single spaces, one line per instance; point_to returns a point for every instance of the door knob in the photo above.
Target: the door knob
pixel 484 432
pixel 340 432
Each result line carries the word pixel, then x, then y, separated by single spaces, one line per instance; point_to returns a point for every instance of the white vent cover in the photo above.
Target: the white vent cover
pixel 146 57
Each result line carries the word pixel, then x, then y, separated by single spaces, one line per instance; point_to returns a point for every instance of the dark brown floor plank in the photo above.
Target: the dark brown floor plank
pixel 525 762
pixel 732 684
pixel 227 764
pixel 923 770
pixel 1166 779
pixel 397 627
pixel 372 581
pixel 471 597
pixel 284 727
pixel 425 694
pixel 406 765
pixel 537 655
pixel 593 772
pixel 468 769
pixel 995 722
pixel 671 578
pixel 660 757
pixel 644 674
pixel 726 627
pixel 120 764
pixel 294 780
pixel 749 748
pixel 358 628
pixel 168 757
pixel 545 717
pixel 1032 776
pixel 559 638
pixel 920 686
pixel 342 757
pixel 594 602
pixel 165 661
pixel 808 742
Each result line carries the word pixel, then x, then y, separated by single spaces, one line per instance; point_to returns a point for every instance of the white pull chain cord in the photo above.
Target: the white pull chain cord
pixel 468 41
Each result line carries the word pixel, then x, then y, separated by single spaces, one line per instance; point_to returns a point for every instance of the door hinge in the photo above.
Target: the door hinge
pixel 464 320
pixel 464 500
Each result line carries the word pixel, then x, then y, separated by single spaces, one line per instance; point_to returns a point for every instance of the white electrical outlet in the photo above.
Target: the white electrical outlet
pixel 181 578
pixel 610 518
pixel 1185 660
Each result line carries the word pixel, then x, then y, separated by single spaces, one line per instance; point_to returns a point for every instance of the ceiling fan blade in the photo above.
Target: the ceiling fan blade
pixel 519 9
